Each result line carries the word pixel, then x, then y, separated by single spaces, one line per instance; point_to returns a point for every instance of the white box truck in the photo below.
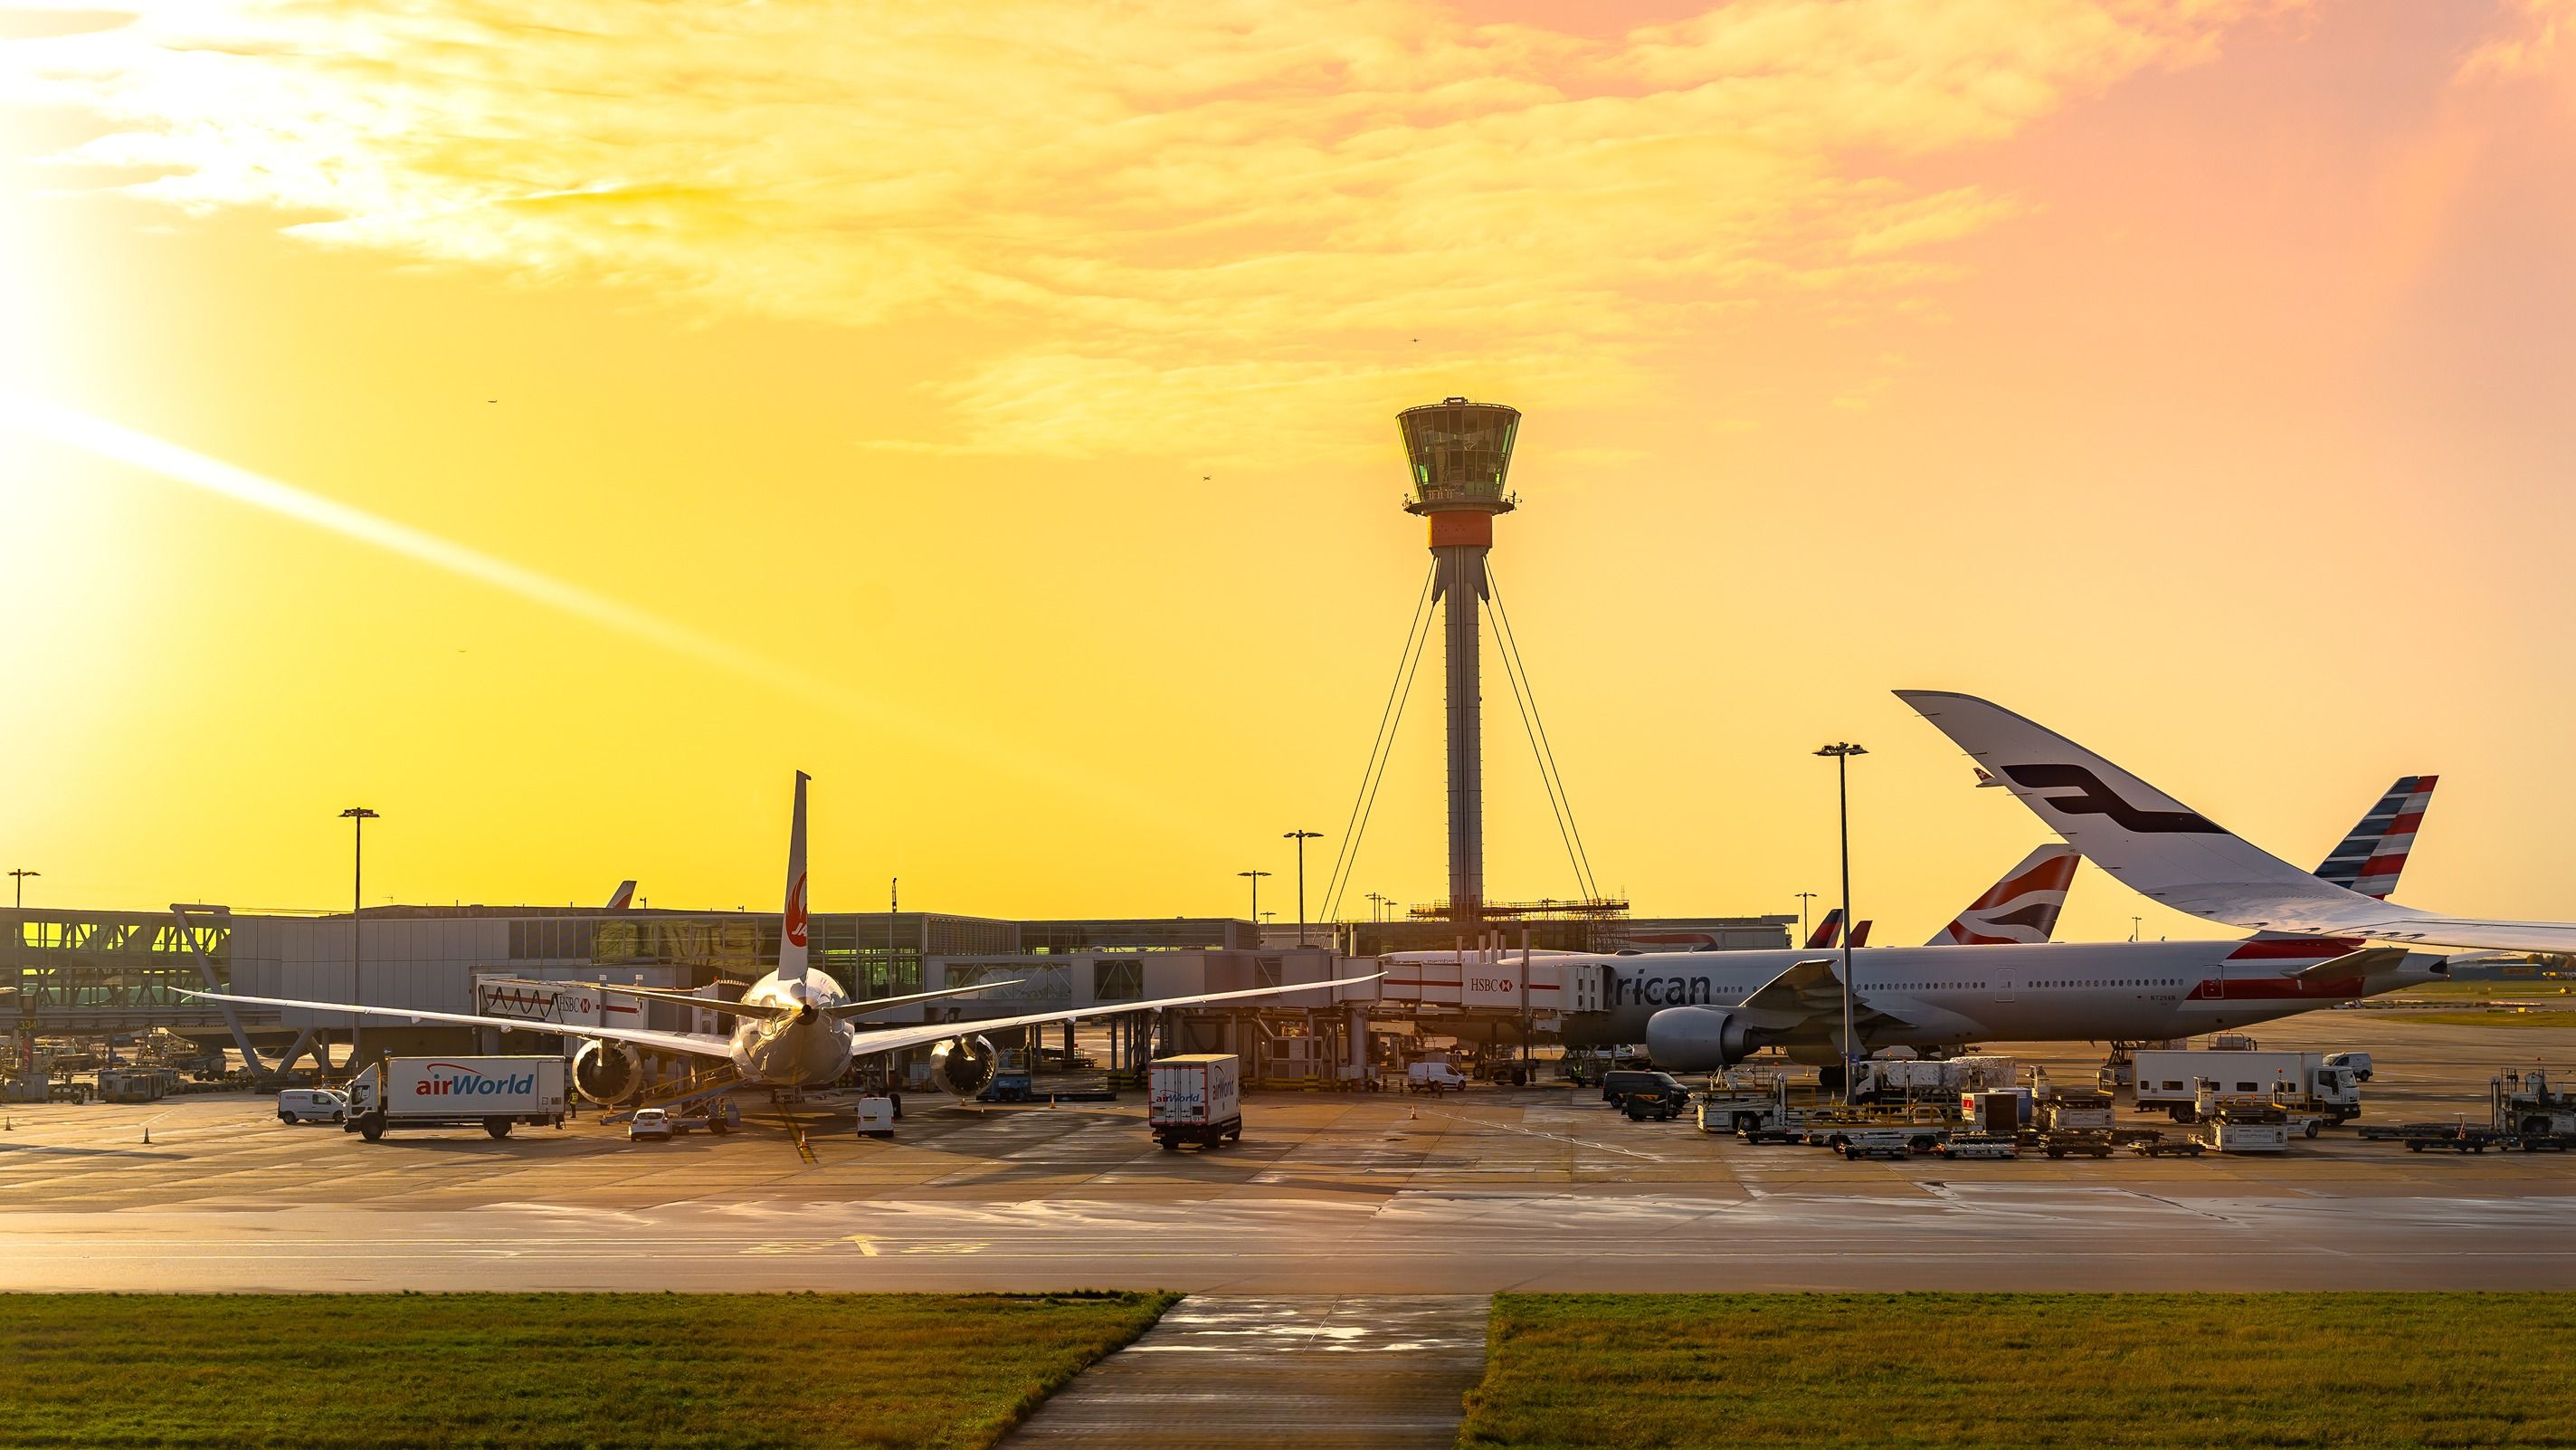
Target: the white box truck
pixel 491 1093
pixel 1196 1099
pixel 2248 1077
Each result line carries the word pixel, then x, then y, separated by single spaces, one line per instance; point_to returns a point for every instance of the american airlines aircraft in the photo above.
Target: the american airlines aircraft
pixel 1704 1011
pixel 2173 854
pixel 795 1026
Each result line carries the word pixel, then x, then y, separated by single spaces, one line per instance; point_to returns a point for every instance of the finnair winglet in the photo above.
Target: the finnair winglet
pixel 2170 853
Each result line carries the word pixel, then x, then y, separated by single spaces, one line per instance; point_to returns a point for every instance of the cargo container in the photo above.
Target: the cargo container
pixel 491 1093
pixel 1196 1099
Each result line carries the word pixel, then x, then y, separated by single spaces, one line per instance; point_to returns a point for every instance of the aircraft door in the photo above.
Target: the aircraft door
pixel 2004 987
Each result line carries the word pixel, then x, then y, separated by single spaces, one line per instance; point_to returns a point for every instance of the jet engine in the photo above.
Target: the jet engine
pixel 1697 1039
pixel 963 1067
pixel 607 1073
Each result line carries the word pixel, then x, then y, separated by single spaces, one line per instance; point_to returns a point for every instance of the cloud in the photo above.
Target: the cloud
pixel 1172 213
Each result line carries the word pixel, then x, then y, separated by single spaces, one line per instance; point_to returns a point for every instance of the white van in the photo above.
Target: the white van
pixel 312 1105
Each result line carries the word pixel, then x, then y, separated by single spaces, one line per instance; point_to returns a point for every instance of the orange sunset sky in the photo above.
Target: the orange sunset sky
pixel 553 423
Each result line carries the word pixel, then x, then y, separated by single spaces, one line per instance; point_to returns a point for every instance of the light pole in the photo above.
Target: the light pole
pixel 1842 753
pixel 1301 838
pixel 1803 898
pixel 1255 877
pixel 1379 901
pixel 357 817
pixel 20 881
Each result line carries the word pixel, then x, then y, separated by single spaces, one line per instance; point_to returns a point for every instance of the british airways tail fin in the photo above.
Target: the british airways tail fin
pixel 2022 907
pixel 792 930
pixel 2370 859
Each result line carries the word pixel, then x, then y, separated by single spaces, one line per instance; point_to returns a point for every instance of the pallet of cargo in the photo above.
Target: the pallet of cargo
pixel 1981 1145
pixel 2091 1144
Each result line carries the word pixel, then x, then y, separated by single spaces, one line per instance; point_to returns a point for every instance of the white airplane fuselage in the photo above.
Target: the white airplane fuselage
pixel 809 1049
pixel 2041 991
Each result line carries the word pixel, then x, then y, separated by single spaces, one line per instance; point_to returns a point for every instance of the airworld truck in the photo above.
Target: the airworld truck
pixel 491 1093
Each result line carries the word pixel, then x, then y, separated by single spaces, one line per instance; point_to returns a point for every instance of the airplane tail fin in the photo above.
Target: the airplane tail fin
pixel 1860 933
pixel 622 898
pixel 792 932
pixel 2370 859
pixel 2022 907
pixel 2155 844
pixel 1828 932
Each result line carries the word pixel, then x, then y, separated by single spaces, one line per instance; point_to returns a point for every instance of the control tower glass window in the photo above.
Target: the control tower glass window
pixel 1459 450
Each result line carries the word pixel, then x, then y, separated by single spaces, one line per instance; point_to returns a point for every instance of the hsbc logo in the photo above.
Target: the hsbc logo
pixel 2090 797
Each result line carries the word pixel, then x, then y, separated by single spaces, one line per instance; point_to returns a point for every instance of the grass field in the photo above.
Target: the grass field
pixel 1674 1371
pixel 424 1372
pixel 2494 1019
pixel 2515 988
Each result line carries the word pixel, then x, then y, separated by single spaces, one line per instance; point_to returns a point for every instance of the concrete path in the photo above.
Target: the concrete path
pixel 1306 1372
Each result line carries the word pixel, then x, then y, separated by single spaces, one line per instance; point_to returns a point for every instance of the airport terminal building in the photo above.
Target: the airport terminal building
pixel 109 974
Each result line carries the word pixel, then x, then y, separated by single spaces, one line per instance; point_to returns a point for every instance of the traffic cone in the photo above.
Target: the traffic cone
pixel 147 1132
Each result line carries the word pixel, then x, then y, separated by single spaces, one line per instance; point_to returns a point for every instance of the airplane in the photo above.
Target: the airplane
pixel 2170 853
pixel 1704 1011
pixel 622 899
pixel 796 1028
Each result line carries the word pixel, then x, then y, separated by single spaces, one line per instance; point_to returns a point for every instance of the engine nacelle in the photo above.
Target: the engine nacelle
pixel 1697 1039
pixel 607 1073
pixel 963 1067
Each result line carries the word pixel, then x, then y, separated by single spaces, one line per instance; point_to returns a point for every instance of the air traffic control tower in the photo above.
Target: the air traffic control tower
pixel 1461 454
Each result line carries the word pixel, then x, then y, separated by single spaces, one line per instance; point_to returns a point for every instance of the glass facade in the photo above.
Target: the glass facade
pixel 1461 452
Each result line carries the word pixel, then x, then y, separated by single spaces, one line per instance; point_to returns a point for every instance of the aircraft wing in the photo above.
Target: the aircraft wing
pixel 895 1039
pixel 1808 992
pixel 689 1043
pixel 2168 852
pixel 764 1011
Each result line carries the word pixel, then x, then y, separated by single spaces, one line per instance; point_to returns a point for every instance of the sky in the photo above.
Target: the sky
pixel 552 424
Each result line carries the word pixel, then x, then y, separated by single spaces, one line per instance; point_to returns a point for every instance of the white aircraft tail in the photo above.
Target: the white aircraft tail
pixel 2022 907
pixel 792 929
pixel 2155 844
pixel 622 898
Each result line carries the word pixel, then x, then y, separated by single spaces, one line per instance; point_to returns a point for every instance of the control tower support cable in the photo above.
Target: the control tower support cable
pixel 1517 669
pixel 1382 747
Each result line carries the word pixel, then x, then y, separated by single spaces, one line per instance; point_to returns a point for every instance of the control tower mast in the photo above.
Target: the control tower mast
pixel 1461 454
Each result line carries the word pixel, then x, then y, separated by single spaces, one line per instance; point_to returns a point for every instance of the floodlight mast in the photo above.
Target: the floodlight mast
pixel 1461 455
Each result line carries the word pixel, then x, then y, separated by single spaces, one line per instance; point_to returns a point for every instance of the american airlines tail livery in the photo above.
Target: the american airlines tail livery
pixel 795 1028
pixel 2171 853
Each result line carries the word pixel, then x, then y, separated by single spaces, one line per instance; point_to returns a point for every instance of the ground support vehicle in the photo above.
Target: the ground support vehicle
pixel 649 1125
pixel 1895 1144
pixel 876 1117
pixel 2157 1145
pixel 312 1105
pixel 1660 1094
pixel 1919 1129
pixel 1195 1099
pixel 2246 1130
pixel 2075 1112
pixel 2522 1113
pixel 1972 1145
pixel 2527 1111
pixel 2070 1142
pixel 492 1093
pixel 1743 1107
pixel 710 1115
pixel 1434 1075
pixel 2171 1082
pixel 68 1091
pixel 35 1087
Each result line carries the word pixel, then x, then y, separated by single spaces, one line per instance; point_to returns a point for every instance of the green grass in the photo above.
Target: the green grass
pixel 428 1371
pixel 2493 1019
pixel 1742 1371
pixel 2519 988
